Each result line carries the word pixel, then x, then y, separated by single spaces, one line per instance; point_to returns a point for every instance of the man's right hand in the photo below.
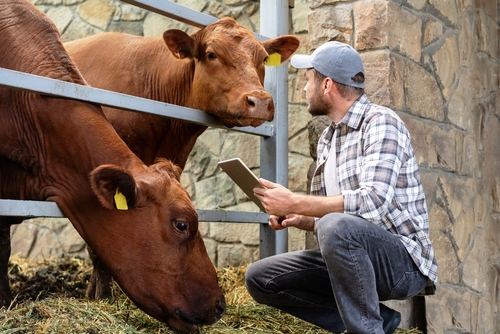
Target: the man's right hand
pixel 298 221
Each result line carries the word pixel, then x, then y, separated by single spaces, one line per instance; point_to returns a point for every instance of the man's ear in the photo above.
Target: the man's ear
pixel 328 85
pixel 109 180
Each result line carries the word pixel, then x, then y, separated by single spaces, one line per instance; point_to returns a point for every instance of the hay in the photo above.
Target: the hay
pixel 50 298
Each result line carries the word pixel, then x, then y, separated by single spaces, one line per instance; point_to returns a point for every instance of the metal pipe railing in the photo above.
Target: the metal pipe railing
pixel 274 135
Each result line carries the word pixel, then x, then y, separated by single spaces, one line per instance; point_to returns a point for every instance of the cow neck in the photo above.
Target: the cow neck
pixel 174 88
pixel 62 144
pixel 72 141
pixel 91 140
pixel 45 138
pixel 184 135
pixel 179 137
pixel 45 54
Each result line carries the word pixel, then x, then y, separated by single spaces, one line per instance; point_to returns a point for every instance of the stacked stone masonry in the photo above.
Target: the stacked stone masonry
pixel 435 62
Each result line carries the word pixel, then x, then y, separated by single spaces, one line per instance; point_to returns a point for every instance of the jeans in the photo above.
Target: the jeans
pixel 338 286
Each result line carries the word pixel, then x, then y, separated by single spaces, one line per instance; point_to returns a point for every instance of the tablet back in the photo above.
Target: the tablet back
pixel 243 177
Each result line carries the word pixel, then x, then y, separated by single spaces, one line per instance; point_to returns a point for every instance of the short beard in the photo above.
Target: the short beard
pixel 318 106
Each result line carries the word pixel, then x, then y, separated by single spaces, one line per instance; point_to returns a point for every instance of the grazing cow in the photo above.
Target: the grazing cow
pixel 65 151
pixel 219 69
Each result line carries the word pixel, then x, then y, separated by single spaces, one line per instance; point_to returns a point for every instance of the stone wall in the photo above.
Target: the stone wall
pixel 436 62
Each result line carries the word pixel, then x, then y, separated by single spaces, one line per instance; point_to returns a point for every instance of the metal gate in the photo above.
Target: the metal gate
pixel 274 135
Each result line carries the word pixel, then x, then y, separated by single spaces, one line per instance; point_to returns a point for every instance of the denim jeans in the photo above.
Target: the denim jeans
pixel 338 286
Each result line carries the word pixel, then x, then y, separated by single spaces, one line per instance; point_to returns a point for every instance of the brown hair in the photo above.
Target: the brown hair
pixel 344 90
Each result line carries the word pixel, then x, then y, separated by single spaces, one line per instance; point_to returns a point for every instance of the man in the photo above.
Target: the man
pixel 367 208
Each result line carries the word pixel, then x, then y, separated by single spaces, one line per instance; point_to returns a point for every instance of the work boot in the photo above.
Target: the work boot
pixel 391 317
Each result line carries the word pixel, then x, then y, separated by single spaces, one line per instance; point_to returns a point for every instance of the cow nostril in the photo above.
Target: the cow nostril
pixel 257 103
pixel 220 308
pixel 251 101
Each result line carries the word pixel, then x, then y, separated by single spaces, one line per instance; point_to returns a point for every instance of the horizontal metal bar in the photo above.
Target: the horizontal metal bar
pixel 52 87
pixel 174 11
pixel 31 209
pixel 16 208
pixel 232 216
pixel 179 13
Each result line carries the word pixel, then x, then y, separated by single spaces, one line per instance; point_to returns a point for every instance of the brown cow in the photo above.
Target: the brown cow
pixel 65 151
pixel 219 69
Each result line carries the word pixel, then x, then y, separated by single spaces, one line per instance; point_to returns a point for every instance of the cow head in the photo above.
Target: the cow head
pixel 154 250
pixel 229 70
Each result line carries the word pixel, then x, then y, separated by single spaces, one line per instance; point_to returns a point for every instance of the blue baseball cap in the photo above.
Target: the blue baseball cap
pixel 336 60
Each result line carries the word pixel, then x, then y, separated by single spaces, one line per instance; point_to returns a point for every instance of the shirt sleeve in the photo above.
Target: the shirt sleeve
pixel 383 151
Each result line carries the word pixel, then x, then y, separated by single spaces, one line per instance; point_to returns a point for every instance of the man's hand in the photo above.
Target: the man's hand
pixel 276 199
pixel 298 221
pixel 298 209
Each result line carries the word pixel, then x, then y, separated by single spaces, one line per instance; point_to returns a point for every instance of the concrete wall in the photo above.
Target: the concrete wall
pixel 436 62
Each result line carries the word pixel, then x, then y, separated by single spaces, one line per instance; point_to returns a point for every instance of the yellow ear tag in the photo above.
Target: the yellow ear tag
pixel 120 200
pixel 274 59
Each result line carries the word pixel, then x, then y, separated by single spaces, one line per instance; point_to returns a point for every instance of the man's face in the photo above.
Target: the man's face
pixel 318 105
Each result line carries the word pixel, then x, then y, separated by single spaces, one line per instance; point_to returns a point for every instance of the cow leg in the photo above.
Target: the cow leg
pixel 100 283
pixel 5 293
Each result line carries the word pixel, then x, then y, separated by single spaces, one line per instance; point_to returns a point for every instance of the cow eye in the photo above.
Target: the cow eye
pixel 211 55
pixel 265 60
pixel 181 225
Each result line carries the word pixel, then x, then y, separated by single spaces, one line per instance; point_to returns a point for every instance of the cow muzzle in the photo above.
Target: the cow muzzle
pixel 250 109
pixel 260 106
pixel 187 322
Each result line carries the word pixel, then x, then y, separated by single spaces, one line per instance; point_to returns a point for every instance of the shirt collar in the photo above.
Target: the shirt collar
pixel 356 113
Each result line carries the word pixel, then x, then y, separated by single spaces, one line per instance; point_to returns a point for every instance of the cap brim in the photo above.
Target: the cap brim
pixel 301 61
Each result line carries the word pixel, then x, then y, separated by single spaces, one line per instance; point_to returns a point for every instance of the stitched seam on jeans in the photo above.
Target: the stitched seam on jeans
pixel 360 290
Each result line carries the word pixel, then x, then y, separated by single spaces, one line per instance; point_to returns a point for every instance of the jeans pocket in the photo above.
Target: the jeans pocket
pixel 409 285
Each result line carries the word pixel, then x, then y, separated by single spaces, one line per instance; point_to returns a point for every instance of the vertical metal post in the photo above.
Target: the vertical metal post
pixel 274 150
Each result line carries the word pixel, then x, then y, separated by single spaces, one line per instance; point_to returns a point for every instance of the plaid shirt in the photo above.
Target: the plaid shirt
pixel 378 176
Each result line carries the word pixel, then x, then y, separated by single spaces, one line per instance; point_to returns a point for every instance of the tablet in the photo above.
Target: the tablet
pixel 243 177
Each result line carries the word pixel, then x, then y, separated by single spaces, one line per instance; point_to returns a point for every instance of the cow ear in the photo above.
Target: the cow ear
pixel 168 166
pixel 179 43
pixel 108 180
pixel 285 45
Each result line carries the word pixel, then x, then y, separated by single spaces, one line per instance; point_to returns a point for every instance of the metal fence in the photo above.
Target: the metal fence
pixel 274 135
